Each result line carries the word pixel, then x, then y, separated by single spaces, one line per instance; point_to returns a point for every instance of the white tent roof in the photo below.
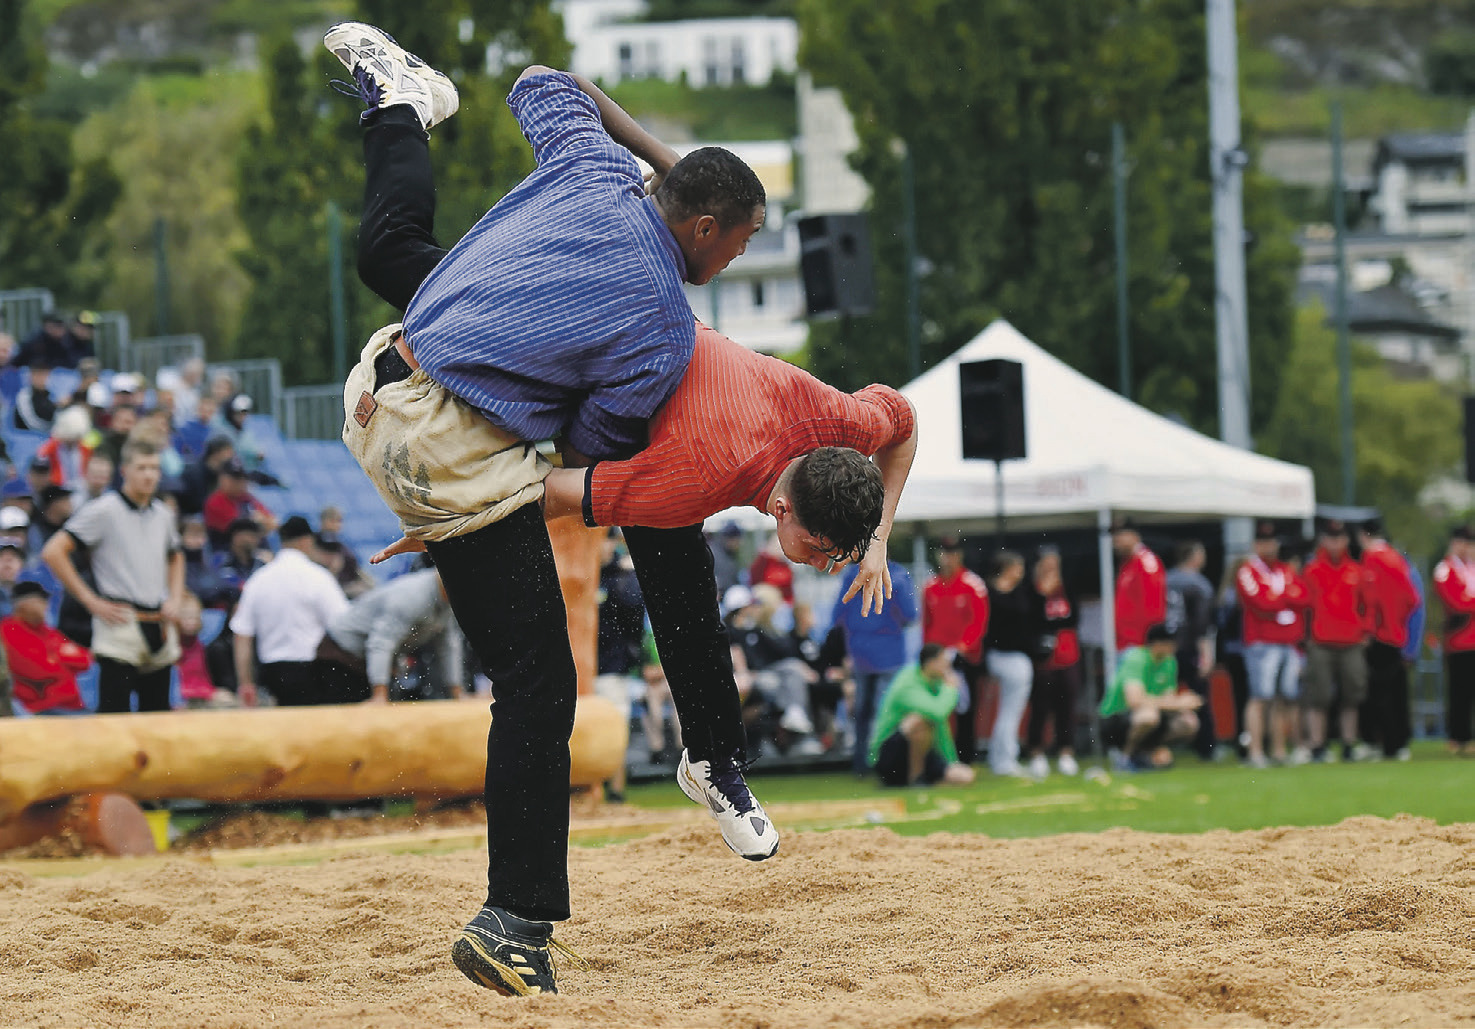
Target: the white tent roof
pixel 1090 450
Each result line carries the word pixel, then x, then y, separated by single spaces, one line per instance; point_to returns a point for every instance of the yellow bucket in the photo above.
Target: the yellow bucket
pixel 159 827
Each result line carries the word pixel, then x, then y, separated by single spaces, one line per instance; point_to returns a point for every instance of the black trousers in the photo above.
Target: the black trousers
pixel 1385 716
pixel 966 736
pixel 306 684
pixel 1053 696
pixel 1461 675
pixel 503 588
pixel 506 595
pixel 1188 674
pixel 118 681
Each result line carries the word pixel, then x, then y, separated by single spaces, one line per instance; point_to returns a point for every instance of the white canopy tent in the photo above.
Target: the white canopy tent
pixel 1092 454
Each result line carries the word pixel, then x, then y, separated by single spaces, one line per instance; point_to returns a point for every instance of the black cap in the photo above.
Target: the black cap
pixel 1159 633
pixel 1461 532
pixel 950 543
pixel 53 318
pixel 28 589
pixel 1121 523
pixel 1373 526
pixel 234 468
pixel 294 528
pixel 51 494
pixel 1333 527
pixel 40 463
pixel 1266 531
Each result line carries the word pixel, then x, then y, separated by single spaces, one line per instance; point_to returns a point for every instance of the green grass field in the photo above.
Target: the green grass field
pixel 1189 798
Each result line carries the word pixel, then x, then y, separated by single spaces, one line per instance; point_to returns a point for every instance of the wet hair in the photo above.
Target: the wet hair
pixel 712 181
pixel 837 495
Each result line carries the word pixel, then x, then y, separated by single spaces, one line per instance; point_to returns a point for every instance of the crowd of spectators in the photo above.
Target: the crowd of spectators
pixel 139 571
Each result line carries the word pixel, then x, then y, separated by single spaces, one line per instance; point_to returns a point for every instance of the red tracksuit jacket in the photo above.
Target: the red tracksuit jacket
pixel 43 666
pixel 1454 580
pixel 1391 596
pixel 1141 597
pixel 955 613
pixel 1339 615
pixel 1273 597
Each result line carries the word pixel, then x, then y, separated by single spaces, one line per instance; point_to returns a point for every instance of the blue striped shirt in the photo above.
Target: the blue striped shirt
pixel 562 310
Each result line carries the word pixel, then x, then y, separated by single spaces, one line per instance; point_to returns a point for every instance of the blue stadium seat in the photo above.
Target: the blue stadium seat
pixel 212 622
pixel 12 381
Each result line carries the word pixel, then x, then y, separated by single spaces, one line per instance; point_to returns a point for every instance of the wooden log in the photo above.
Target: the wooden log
pixel 431 749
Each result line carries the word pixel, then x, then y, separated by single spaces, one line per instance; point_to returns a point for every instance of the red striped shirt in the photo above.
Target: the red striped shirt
pixel 728 431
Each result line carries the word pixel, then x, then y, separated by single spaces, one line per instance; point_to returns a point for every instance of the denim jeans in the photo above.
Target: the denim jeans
pixel 1016 674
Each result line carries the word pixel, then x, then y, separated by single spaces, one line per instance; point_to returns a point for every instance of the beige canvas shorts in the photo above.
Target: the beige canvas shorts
pixel 440 465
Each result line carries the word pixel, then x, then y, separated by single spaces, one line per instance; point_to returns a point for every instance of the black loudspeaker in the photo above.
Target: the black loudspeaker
pixel 1470 439
pixel 991 399
pixel 835 260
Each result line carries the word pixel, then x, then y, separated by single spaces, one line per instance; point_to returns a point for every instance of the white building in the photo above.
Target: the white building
pixel 612 45
pixel 1420 184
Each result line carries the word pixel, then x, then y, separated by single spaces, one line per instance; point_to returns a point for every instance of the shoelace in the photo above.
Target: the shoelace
pixel 728 778
pixel 364 87
pixel 562 948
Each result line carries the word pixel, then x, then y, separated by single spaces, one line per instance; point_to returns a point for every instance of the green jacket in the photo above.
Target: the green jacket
pixel 1159 679
pixel 912 692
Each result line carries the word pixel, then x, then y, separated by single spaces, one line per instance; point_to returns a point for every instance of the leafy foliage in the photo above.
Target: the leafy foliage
pixel 1007 108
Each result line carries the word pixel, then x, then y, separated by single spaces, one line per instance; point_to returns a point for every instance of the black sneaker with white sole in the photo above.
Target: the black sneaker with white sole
pixel 719 785
pixel 511 955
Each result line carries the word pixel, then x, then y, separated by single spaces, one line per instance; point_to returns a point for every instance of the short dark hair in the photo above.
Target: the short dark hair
pixel 139 446
pixel 1188 549
pixel 838 494
pixel 712 181
pixel 929 653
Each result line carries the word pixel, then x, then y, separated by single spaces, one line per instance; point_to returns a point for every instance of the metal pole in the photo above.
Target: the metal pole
pixel 909 238
pixel 999 502
pixel 1119 177
pixel 1108 592
pixel 1344 345
pixel 161 278
pixel 1226 162
pixel 336 316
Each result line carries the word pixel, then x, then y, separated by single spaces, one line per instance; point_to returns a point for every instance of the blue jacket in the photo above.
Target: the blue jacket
pixel 877 643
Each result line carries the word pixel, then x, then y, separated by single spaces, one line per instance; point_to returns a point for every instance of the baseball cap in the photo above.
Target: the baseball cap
pixel 1266 531
pixel 14 489
pixel 98 395
pixel 1461 532
pixel 28 589
pixel 126 382
pixel 1159 634
pixel 736 598
pixel 241 402
pixel 1333 527
pixel 234 467
pixel 40 463
pixel 1121 523
pixel 12 518
pixel 51 494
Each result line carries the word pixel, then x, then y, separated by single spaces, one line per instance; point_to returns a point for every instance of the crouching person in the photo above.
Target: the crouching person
pixel 1143 713
pixel 912 743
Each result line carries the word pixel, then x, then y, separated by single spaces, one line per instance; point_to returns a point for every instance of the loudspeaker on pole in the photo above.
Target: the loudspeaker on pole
pixel 991 400
pixel 835 261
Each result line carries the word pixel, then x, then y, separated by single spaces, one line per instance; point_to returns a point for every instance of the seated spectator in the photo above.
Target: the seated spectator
pixel 358 650
pixel 772 568
pixel 912 743
pixel 15 510
pixel 81 339
pixel 201 478
pixel 88 370
pixel 34 410
pixel 47 344
pixel 231 501
pixel 128 390
pixel 1142 711
pixel 240 560
pixel 12 564
pixel 223 385
pixel 230 422
pixel 7 343
pixel 96 480
pixel 338 557
pixel 166 382
pixel 53 508
pixel 99 401
pixel 43 663
pixel 187 390
pixel 38 477
pixel 195 431
pixel 120 424
pixel 67 449
pixel 155 425
pixel 197 687
pixel 201 567
pixel 768 663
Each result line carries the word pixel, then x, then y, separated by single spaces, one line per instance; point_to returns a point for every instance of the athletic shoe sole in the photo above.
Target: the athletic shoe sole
pixel 481 968
pixel 697 795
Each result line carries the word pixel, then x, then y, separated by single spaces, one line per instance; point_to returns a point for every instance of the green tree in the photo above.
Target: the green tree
pixel 1405 434
pixel 307 151
pixel 1006 109
pixel 51 204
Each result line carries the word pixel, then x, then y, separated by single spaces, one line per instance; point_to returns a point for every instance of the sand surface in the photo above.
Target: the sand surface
pixel 1365 923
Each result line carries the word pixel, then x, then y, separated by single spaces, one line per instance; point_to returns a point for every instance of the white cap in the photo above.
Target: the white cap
pixel 127 382
pixel 98 395
pixel 72 424
pixel 169 379
pixel 13 518
pixel 736 598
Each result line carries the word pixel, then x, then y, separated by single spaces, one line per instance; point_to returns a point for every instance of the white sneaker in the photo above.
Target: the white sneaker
pixel 1067 765
pixel 1039 767
pixel 746 827
pixel 387 74
pixel 796 720
pixel 1404 754
pixel 1013 770
pixel 809 746
pixel 1299 756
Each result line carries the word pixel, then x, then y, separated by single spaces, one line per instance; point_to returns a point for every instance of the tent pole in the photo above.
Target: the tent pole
pixel 1108 593
pixel 999 502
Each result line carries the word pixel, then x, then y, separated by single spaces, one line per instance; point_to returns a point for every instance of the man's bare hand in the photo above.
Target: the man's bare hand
pixel 872 580
pixel 403 545
pixel 110 612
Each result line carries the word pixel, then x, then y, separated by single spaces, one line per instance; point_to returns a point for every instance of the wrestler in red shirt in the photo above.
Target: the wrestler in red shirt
pixel 43 662
pixel 746 428
pixel 1141 587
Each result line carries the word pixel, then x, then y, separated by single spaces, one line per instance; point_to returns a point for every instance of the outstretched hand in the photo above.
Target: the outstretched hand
pixel 872 580
pixel 403 545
